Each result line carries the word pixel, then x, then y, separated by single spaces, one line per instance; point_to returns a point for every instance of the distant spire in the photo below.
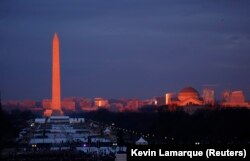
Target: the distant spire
pixel 55 35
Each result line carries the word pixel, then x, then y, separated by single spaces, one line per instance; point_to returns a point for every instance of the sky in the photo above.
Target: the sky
pixel 125 48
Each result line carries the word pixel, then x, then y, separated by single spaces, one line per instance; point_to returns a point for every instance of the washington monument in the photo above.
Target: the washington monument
pixel 55 108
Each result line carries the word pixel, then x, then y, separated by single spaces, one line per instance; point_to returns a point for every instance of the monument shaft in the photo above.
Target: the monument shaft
pixel 56 84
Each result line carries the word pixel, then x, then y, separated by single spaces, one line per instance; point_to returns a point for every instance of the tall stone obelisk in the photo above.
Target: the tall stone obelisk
pixel 56 83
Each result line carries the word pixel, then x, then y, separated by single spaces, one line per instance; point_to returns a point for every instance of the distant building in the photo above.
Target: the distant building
pixel 9 105
pixel 226 95
pixel 68 104
pixel 85 103
pixel 27 103
pixel 234 99
pixel 133 104
pixel 159 101
pixel 208 96
pixel 187 96
pixel 116 107
pixel 46 103
pixel 101 102
pixel 237 97
pixel 168 98
pixel 12 103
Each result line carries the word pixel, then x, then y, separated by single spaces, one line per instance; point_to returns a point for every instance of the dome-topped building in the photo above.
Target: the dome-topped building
pixel 188 92
pixel 186 96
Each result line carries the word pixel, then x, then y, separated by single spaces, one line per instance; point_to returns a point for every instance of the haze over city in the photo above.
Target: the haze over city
pixel 127 49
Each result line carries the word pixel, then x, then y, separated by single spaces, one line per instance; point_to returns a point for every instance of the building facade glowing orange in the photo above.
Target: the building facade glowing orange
pixel 187 96
pixel 101 102
pixel 234 99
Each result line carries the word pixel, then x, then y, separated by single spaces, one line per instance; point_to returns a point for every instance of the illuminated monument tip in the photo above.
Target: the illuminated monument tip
pixel 55 108
pixel 55 37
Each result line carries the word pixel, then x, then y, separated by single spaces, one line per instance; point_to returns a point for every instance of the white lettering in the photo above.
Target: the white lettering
pixel 225 153
pixel 135 152
pixel 189 154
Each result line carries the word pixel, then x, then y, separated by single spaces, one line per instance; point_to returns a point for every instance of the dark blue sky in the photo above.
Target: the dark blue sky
pixel 125 48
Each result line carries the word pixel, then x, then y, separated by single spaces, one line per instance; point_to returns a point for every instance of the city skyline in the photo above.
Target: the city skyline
pixel 124 49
